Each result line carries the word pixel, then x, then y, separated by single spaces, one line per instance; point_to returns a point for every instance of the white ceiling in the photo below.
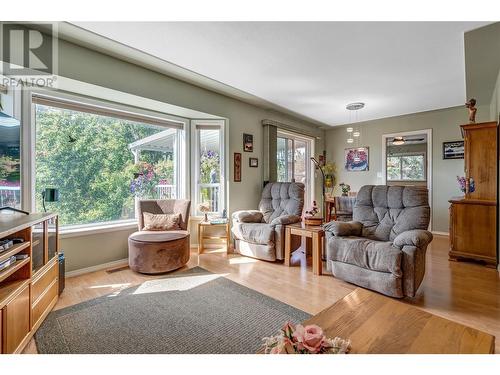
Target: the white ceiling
pixel 315 68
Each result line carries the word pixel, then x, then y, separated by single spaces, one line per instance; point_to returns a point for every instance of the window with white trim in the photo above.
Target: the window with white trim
pixel 208 165
pixel 101 159
pixel 406 167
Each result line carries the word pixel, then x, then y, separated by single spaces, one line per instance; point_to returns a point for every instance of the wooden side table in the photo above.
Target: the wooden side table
pixel 201 234
pixel 316 233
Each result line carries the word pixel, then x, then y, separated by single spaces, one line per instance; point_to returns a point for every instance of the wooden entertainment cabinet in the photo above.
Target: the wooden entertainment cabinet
pixel 28 287
pixel 473 217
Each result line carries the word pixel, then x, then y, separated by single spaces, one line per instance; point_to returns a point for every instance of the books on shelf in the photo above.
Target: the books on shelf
pixel 8 262
pixel 5 244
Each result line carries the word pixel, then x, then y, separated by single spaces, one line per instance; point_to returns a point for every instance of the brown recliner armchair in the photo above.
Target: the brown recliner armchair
pixel 160 251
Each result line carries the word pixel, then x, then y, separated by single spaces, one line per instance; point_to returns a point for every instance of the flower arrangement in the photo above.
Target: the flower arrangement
pixel 330 170
pixel 466 186
pixel 346 188
pixel 205 208
pixel 304 340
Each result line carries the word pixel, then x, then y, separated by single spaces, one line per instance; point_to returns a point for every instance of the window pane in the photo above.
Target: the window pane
pixel 10 173
pixel 209 168
pixel 413 167
pixel 281 159
pixel 300 161
pixel 393 168
pixel 99 163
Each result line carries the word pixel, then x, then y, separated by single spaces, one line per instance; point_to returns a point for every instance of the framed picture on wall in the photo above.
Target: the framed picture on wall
pixel 356 159
pixel 247 142
pixel 253 162
pixel 453 150
pixel 237 167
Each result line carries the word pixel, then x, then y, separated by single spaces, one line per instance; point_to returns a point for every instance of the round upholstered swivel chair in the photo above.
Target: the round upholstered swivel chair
pixel 154 252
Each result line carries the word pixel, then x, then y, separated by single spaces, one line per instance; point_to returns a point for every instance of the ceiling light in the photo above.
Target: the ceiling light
pixel 355 106
pixel 398 141
pixel 350 140
pixel 349 130
pixel 356 134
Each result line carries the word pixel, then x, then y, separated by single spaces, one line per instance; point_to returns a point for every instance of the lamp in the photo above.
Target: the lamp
pixel 49 195
pixel 398 141
pixel 322 184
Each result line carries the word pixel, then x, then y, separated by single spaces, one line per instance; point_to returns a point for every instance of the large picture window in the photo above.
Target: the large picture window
pixel 100 163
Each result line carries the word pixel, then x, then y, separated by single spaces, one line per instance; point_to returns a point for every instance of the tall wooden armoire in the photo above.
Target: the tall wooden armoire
pixel 473 217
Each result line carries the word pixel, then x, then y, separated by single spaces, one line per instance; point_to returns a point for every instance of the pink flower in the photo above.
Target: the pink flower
pixel 310 337
pixel 288 329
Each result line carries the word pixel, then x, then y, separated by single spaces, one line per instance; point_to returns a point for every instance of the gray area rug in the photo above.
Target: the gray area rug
pixel 188 312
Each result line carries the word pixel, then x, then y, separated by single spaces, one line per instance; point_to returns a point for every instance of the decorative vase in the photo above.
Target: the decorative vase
pixel 206 217
pixel 344 194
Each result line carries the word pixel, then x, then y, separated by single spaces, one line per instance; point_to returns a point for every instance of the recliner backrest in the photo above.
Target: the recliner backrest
pixel 281 198
pixel 387 211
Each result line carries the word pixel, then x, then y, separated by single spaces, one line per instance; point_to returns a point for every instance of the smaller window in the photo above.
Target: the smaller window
pixel 407 167
pixel 209 166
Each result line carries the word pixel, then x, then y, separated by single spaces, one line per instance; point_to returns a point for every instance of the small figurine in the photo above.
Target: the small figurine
pixel 314 210
pixel 471 107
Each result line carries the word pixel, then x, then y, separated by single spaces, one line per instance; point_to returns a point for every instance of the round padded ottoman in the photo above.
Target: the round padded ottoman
pixel 157 252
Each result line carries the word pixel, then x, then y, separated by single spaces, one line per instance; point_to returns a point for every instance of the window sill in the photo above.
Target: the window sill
pixel 84 230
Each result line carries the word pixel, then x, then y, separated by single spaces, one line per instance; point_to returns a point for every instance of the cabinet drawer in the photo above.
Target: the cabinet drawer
pixel 16 321
pixel 43 281
pixel 43 302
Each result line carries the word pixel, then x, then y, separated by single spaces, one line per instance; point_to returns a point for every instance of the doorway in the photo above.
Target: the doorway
pixel 293 160
pixel 407 160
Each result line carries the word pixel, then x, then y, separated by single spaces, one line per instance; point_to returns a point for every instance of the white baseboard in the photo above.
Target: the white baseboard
pixel 440 233
pixel 98 267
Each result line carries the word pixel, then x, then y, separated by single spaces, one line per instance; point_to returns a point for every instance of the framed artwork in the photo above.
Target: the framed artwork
pixel 453 150
pixel 247 142
pixel 237 167
pixel 253 162
pixel 356 159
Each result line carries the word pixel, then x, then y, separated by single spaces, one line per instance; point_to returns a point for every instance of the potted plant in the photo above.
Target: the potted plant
pixel 346 188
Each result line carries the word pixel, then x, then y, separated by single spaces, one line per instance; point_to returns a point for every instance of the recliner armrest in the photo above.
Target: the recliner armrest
pixel 344 228
pixel 286 219
pixel 248 216
pixel 416 237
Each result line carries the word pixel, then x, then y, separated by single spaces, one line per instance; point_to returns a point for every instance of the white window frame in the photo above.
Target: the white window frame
pixel 195 147
pixel 28 170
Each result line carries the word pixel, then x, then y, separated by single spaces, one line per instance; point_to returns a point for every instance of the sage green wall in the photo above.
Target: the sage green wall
pixel 445 127
pixel 89 66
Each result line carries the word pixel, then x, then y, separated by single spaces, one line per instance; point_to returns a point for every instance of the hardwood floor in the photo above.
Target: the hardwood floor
pixel 463 292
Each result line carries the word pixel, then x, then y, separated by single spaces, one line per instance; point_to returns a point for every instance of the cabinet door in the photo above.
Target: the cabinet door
pixel 481 161
pixel 16 321
pixel 52 245
pixel 38 247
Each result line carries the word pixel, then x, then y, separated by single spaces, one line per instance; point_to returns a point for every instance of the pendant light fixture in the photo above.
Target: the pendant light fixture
pixel 354 134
